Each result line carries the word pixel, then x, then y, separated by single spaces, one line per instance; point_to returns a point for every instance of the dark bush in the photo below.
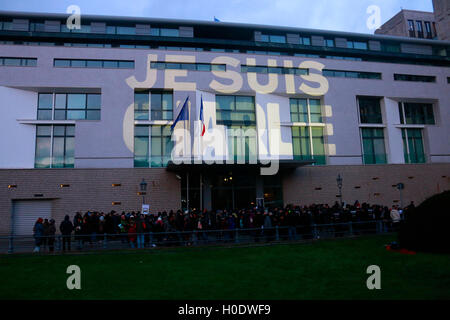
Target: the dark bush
pixel 427 227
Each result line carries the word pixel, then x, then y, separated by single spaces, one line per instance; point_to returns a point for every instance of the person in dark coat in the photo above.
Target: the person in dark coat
pixel 38 234
pixel 51 235
pixel 66 229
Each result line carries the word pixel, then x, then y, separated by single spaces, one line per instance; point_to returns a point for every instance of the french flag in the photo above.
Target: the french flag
pixel 201 118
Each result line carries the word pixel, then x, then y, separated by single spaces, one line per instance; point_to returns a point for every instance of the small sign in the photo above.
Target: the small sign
pixel 145 209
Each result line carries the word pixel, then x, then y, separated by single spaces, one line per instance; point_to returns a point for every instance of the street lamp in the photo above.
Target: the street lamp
pixel 339 184
pixel 143 186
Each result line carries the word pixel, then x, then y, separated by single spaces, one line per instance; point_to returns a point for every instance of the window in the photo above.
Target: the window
pixel 306 41
pixel 306 110
pixel 390 47
pixel 329 43
pixel 152 146
pixel 160 103
pixel 277 70
pixel 188 66
pixel 69 106
pixel 165 32
pixel 55 146
pixel 351 74
pixel 77 63
pixel 273 38
pixel 369 110
pixel 242 143
pixel 429 34
pixel 18 62
pixel 411 30
pixel 307 141
pixel 416 113
pixel 235 110
pixel 308 144
pixel 374 151
pixel 125 30
pixel 413 145
pixel 414 78
pixel 419 29
pixel 360 45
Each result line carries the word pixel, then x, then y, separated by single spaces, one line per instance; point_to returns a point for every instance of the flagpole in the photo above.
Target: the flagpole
pixel 201 193
pixel 187 191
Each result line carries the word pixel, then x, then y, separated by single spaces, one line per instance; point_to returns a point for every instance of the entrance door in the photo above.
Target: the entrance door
pixel 233 191
pixel 26 212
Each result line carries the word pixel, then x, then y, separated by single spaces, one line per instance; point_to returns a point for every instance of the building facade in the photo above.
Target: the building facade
pixel 87 114
pixel 411 23
pixel 442 16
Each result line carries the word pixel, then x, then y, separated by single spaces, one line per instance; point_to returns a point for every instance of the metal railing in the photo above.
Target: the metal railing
pixel 96 241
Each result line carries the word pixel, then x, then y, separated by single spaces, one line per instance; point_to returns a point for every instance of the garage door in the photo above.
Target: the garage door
pixel 26 212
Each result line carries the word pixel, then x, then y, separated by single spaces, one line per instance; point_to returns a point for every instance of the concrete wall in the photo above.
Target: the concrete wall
pixel 90 189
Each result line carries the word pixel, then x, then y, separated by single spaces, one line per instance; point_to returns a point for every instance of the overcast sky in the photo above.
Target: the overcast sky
pixel 339 15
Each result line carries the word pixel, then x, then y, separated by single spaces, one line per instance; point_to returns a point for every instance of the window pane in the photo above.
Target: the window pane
pixel 59 131
pixel 225 102
pixel 141 131
pixel 141 101
pixel 244 103
pixel 141 147
pixel 76 115
pixel 44 115
pixel 156 102
pixel 70 131
pixel 93 115
pixel 76 101
pixel 110 64
pixel 43 130
pixel 78 63
pixel 70 152
pixel 141 115
pixel 45 100
pixel 62 63
pixel 60 101
pixel 42 159
pixel 58 152
pixel 94 63
pixel 60 114
pixel 126 64
pixel 169 32
pixel 156 146
pixel 93 101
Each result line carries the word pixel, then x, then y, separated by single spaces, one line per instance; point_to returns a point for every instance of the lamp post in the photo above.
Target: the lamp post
pixel 143 186
pixel 339 184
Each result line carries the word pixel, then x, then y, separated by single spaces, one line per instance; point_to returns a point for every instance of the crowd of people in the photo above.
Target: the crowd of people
pixel 289 223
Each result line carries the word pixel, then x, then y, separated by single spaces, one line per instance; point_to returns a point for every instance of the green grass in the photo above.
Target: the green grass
pixel 327 269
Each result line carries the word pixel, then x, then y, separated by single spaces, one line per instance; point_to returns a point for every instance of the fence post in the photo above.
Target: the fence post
pixel 105 240
pixel 236 238
pixel 350 228
pixel 277 235
pixel 58 243
pixel 315 235
pixel 11 244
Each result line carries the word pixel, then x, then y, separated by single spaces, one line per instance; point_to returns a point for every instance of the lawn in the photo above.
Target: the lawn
pixel 326 269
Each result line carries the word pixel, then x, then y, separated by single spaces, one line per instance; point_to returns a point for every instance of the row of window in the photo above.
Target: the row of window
pixel 351 74
pixel 306 41
pixel 441 52
pixel 430 28
pixel 188 66
pixel 414 78
pixel 85 28
pixel 277 70
pixel 18 62
pixel 69 106
pixel 82 63
pixel 159 102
